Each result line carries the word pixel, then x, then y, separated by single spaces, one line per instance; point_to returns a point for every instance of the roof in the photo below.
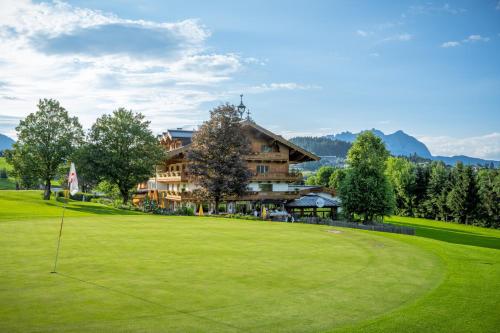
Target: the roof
pixel 311 200
pixel 297 154
pixel 177 133
pixel 185 136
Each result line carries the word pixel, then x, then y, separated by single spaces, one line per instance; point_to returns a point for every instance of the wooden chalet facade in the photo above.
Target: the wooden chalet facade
pixel 269 161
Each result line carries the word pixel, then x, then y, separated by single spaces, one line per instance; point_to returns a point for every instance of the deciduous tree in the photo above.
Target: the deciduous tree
pixel 217 155
pixel 401 173
pixel 366 191
pixel 46 140
pixel 122 150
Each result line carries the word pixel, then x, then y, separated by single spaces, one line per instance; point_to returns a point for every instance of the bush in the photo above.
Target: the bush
pixel 187 211
pixel 79 196
pixel 3 173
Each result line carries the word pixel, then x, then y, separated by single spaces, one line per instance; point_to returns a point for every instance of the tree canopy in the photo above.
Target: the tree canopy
pixel 365 190
pixel 122 150
pixel 46 140
pixel 217 155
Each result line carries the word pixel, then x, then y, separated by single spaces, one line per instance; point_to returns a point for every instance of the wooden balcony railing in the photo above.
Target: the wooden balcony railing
pixel 172 176
pixel 271 156
pixel 278 176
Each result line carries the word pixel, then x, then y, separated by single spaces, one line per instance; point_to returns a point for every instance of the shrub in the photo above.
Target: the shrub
pixel 3 173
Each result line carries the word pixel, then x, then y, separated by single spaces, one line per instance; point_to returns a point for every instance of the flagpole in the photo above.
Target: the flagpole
pixel 73 189
pixel 60 233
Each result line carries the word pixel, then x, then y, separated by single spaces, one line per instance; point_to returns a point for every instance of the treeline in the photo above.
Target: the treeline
pixel 119 149
pixel 322 146
pixel 463 194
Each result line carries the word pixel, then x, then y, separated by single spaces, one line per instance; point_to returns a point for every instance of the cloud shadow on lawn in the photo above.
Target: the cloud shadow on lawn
pixel 454 236
pixel 99 210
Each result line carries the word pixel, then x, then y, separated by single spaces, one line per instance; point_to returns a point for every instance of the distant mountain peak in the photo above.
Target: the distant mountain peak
pixel 5 142
pixel 398 143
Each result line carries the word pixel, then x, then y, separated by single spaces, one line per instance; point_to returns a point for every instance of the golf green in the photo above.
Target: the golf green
pixel 144 273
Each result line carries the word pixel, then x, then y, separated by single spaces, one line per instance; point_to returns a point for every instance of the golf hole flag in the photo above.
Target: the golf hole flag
pixel 72 180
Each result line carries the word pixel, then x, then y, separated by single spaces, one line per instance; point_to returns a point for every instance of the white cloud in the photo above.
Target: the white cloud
pixel 364 33
pixel 398 38
pixel 476 38
pixel 450 44
pixel 55 50
pixel 265 87
pixel 485 146
pixel 470 39
pixel 430 8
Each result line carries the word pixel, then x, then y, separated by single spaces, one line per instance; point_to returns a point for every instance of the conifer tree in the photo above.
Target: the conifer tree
pixel 463 197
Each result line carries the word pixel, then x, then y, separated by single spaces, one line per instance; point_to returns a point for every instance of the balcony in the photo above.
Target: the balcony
pixel 271 156
pixel 277 176
pixel 172 176
pixel 268 195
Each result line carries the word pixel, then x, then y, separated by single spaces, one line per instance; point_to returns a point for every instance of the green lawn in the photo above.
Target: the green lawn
pixel 9 183
pixel 142 273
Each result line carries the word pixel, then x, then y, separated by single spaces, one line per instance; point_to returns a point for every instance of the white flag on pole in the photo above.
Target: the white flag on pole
pixel 72 180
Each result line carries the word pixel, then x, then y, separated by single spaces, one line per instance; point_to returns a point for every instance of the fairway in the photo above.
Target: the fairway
pixel 140 273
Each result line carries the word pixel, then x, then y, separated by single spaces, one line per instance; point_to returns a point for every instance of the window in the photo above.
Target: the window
pixel 262 168
pixel 266 149
pixel 266 187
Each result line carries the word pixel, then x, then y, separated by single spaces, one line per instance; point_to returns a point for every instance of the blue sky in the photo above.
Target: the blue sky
pixel 305 67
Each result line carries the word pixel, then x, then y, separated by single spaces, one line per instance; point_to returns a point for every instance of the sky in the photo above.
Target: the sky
pixel 431 69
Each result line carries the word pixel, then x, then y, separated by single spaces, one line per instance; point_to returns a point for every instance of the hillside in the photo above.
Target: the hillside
pixel 323 146
pixel 398 143
pixel 9 183
pixel 401 144
pixel 5 142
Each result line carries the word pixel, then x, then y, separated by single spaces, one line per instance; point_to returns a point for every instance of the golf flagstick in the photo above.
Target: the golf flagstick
pixel 73 189
pixel 60 233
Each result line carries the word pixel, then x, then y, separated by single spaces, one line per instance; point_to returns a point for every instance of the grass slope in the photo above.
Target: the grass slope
pixel 9 183
pixel 153 273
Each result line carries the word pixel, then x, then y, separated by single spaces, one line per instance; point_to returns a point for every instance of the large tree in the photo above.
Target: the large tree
pixel 217 155
pixel 463 197
pixel 365 190
pixel 46 140
pixel 489 194
pixel 437 191
pixel 401 173
pixel 122 150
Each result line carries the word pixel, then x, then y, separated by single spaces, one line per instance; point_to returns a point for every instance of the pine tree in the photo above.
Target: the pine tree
pixel 217 155
pixel 489 197
pixel 437 190
pixel 463 197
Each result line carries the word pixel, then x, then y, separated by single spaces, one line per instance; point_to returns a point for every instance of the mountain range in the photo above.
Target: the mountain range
pixel 5 142
pixel 401 144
